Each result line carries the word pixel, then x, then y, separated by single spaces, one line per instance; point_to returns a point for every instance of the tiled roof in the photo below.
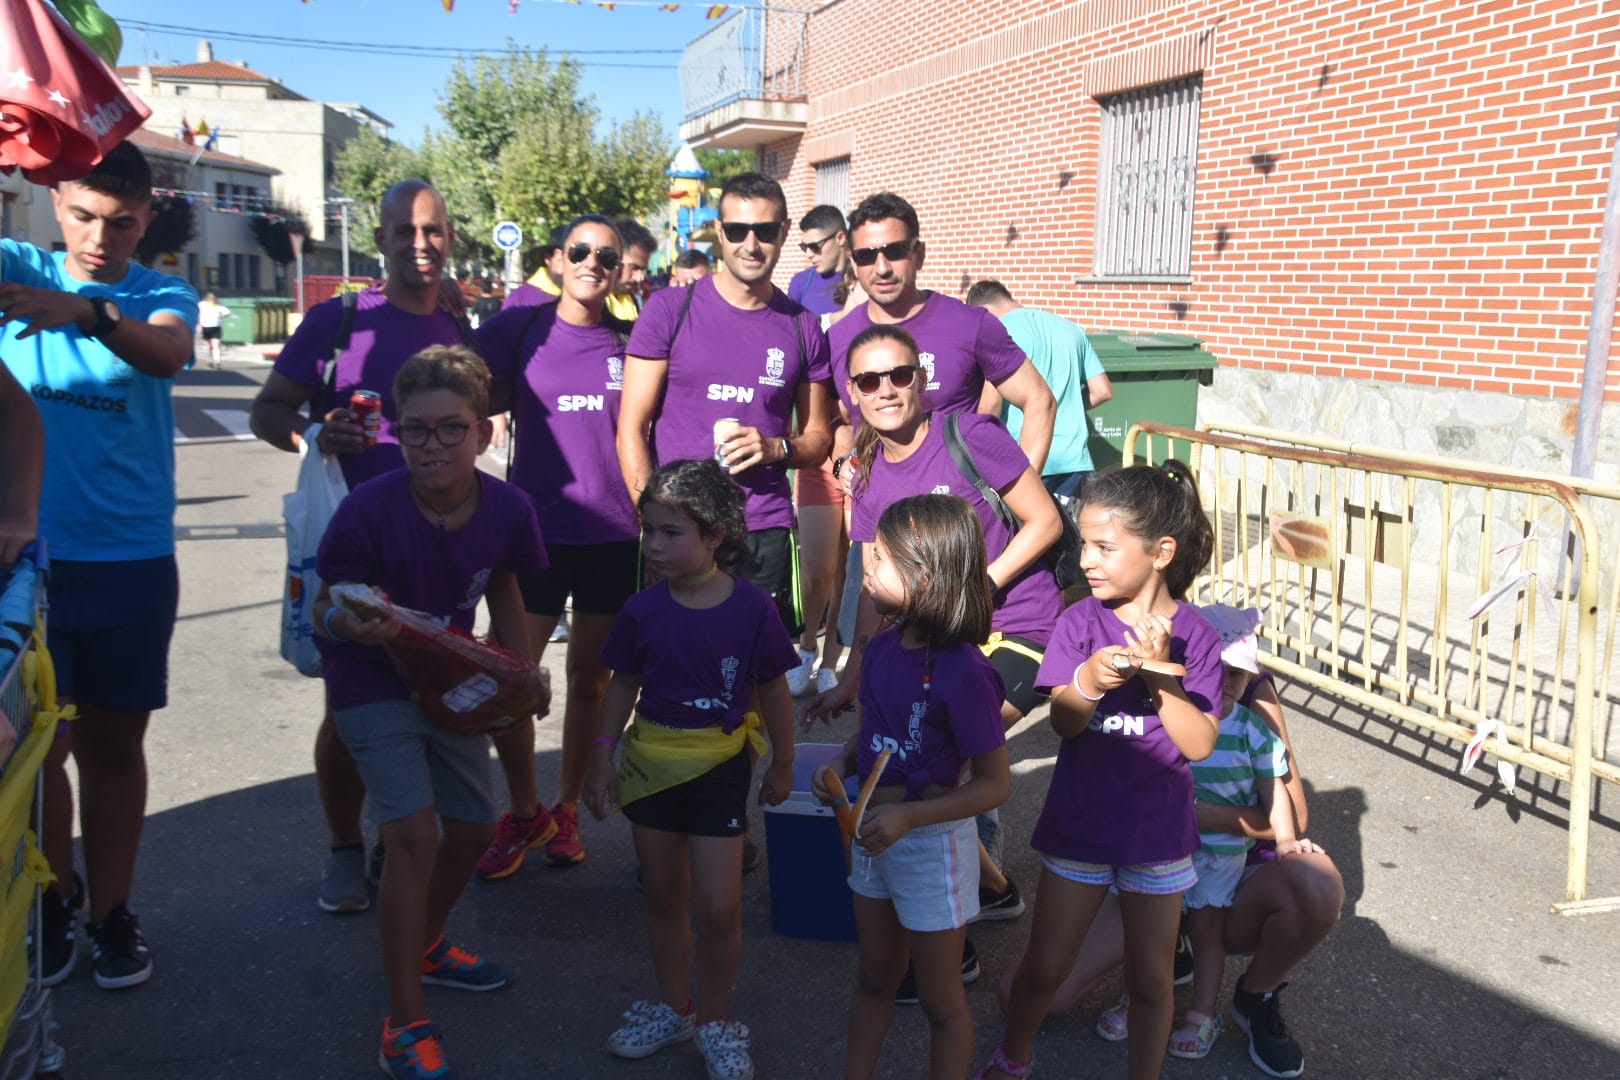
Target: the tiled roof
pixel 207 70
pixel 147 139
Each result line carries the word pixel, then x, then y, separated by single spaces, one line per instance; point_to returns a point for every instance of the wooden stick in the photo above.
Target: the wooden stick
pixel 1123 662
pixel 870 786
pixel 840 803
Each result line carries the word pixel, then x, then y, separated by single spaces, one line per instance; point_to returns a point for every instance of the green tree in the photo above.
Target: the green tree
pixel 724 164
pixel 173 226
pixel 368 166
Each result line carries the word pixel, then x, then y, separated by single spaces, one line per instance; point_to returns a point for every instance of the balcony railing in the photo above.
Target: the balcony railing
pixel 756 54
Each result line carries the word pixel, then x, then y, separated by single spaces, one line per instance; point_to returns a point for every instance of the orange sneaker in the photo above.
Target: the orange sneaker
pixel 514 838
pixel 413 1052
pixel 565 849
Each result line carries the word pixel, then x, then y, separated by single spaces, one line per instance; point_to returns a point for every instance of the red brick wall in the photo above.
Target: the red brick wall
pixel 1433 211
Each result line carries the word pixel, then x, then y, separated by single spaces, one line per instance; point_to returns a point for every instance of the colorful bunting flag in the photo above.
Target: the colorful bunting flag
pixel 449 5
pixel 669 7
pixel 716 10
pixel 201 130
pixel 186 135
pixel 605 5
pixel 213 140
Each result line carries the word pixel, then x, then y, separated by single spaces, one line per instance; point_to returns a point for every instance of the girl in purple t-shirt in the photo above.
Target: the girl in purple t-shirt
pixel 932 700
pixel 690 655
pixel 1135 676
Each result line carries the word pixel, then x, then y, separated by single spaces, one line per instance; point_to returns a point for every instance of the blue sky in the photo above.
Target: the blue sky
pixel 405 90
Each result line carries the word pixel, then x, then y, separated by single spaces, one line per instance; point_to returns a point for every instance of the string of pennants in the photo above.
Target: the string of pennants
pixel 711 11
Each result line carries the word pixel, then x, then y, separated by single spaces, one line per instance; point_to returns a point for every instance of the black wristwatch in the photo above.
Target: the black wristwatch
pixel 787 448
pixel 838 464
pixel 108 317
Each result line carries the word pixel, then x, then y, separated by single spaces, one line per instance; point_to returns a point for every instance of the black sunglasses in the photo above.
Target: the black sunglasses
pixel 813 247
pixel 769 232
pixel 606 258
pixel 900 377
pixel 900 249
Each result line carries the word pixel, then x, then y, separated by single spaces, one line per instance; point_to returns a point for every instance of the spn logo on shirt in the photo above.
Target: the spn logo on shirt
pixel 582 403
pixel 1117 724
pixel 740 394
pixel 881 743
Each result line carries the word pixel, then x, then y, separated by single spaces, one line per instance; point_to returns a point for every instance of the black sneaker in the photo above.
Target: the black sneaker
pixel 1184 957
pixel 995 907
pixel 1273 1051
pixel 60 933
pixel 907 994
pixel 118 952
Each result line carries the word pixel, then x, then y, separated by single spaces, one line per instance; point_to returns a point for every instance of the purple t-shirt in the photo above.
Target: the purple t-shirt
pixel 726 362
pixel 382 339
pixel 567 409
pixel 1121 791
pixel 961 347
pixel 378 537
pixel 527 295
pixel 1027 605
pixel 698 668
pixel 814 290
pixel 932 736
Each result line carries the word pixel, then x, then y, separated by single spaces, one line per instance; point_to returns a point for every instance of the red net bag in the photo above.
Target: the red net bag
pixel 462 684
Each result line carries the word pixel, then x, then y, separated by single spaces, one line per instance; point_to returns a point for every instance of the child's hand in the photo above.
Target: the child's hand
pixel 372 631
pixel 1103 670
pixel 827 707
pixel 1151 640
pixel 777 784
pixel 601 787
pixel 882 827
pixel 1301 846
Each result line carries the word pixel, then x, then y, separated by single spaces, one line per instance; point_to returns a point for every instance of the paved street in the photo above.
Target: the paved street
pixel 1447 963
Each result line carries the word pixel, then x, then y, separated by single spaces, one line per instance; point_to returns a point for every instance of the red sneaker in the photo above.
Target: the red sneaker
pixel 514 837
pixel 565 849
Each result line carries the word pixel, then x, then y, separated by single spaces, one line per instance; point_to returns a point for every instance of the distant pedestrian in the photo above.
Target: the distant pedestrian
pixel 691 267
pixel 210 315
pixel 825 243
pixel 437 537
pixel 624 303
pixel 688 655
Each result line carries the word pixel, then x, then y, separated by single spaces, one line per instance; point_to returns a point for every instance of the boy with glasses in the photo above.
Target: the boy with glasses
pixel 822 239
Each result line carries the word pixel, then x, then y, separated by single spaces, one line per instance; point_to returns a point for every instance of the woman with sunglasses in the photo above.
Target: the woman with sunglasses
pixel 560 367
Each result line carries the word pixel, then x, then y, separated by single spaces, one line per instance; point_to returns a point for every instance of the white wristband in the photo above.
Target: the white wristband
pixel 1080 689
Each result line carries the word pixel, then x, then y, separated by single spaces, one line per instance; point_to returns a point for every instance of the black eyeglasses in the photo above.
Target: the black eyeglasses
pixel 867 382
pixel 449 433
pixel 813 247
pixel 900 249
pixel 606 258
pixel 769 232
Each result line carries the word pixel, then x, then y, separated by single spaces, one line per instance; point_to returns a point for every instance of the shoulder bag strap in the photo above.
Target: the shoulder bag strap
pixel 963 459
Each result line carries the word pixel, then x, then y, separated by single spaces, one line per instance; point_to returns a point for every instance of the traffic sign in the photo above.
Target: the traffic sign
pixel 508 236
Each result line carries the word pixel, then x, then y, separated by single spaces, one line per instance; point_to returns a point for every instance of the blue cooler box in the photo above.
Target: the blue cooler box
pixel 810 895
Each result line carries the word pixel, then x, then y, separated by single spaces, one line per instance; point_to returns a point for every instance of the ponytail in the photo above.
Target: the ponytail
pixel 1160 500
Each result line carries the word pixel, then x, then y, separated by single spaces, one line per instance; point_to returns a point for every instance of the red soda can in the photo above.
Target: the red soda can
pixel 367 408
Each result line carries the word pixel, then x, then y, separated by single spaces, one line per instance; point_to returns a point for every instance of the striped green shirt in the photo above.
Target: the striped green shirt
pixel 1244 748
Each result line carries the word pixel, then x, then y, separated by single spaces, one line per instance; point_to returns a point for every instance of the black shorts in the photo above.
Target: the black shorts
pixel 109 630
pixel 713 804
pixel 210 333
pixel 1012 660
pixel 601 578
pixel 771 561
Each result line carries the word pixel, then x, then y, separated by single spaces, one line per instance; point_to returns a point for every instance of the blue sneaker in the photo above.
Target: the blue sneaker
pixel 450 965
pixel 413 1052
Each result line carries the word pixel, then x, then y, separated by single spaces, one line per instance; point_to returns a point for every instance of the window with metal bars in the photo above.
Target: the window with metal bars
pixel 1147 165
pixel 832 184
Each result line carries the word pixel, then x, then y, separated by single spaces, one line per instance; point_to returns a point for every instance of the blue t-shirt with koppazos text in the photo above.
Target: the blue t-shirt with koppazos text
pixel 381 339
pixel 109 429
pixel 728 362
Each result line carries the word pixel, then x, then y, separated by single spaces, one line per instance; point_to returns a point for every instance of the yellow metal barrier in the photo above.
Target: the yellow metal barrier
pixel 1457 599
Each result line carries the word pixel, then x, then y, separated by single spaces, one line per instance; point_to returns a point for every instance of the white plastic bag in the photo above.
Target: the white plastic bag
pixel 307 511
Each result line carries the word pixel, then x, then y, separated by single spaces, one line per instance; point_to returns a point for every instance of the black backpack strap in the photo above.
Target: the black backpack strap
pixel 464 325
pixel 340 344
pixel 963 460
pixel 680 320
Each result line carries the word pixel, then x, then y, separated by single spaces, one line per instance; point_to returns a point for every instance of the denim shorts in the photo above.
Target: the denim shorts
pixel 931 875
pixel 1219 875
pixel 109 631
pixel 410 763
pixel 1150 879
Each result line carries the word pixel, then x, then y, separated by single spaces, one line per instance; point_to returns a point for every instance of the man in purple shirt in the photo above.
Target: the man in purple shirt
pixel 824 240
pixel 733 346
pixel 389 326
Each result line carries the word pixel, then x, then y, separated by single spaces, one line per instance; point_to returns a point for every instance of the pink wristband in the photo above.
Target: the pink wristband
pixel 1080 689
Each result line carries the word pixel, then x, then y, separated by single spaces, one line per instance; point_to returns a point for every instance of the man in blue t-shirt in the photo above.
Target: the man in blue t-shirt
pixel 96 339
pixel 1064 357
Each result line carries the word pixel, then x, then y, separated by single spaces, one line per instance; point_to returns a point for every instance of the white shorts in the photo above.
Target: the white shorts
pixel 1219 874
pixel 931 876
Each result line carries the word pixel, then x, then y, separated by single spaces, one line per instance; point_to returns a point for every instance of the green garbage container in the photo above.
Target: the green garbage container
pixel 255 320
pixel 1155 377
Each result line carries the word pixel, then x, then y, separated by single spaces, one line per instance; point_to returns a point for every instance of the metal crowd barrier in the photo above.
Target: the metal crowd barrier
pixel 28 705
pixel 1459 599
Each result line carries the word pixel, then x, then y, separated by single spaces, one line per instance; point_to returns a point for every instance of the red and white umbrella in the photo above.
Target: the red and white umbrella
pixel 61 107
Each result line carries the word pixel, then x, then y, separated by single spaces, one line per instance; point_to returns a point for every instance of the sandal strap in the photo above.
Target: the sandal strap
pixel 1015 1069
